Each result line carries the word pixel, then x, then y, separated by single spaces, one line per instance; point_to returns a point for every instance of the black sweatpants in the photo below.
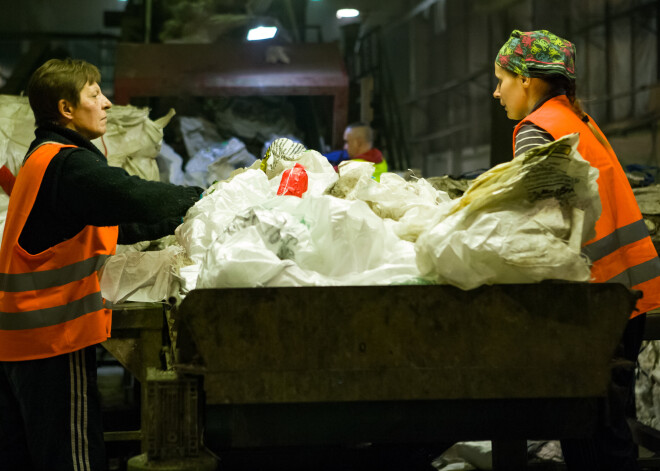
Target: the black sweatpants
pixel 612 447
pixel 50 414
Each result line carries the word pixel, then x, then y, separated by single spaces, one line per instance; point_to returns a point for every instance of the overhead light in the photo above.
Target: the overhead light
pixel 347 13
pixel 262 32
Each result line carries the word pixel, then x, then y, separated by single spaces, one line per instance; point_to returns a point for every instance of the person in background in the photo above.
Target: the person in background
pixel 535 74
pixel 358 145
pixel 68 209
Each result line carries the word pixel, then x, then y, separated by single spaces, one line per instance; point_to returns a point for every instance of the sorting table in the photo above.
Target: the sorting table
pixel 397 364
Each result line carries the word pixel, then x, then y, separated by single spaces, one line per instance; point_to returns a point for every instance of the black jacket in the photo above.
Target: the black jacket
pixel 79 188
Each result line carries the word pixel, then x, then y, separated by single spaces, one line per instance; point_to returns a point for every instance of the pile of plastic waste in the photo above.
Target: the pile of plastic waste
pixel 291 220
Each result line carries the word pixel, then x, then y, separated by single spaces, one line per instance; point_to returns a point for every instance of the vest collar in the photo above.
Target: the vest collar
pixel 546 98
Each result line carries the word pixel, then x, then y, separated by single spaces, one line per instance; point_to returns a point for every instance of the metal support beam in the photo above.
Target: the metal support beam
pixel 422 6
pixel 294 23
pixel 608 62
pixel 147 20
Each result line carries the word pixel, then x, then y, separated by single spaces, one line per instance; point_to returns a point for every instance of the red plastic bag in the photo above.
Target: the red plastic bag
pixel 7 179
pixel 294 181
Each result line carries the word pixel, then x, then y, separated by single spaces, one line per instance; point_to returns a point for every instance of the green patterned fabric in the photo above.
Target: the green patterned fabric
pixel 537 54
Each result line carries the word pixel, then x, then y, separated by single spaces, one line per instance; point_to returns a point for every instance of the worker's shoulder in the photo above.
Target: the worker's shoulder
pixel 373 155
pixel 81 154
pixel 77 149
pixel 75 159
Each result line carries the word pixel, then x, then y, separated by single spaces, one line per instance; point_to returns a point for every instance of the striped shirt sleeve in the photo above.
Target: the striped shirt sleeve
pixel 529 136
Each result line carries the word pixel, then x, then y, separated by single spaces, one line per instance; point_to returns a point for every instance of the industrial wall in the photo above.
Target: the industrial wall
pixel 34 29
pixel 442 52
pixel 437 56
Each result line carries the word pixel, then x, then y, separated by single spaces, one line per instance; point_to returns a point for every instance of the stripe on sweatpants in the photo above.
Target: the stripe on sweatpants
pixel 79 443
pixel 85 416
pixel 72 407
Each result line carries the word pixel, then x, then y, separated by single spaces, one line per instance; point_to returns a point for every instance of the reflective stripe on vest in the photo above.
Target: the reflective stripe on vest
pixel 622 250
pixel 638 274
pixel 17 282
pixel 50 302
pixel 51 316
pixel 622 236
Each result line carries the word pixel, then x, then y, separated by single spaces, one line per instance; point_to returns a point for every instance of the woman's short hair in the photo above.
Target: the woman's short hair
pixel 58 79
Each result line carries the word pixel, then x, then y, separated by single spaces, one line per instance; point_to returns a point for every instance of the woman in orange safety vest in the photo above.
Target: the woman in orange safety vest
pixel 536 85
pixel 67 211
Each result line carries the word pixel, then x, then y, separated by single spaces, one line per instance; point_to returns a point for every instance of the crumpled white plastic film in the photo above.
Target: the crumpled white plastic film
pixel 140 276
pixel 319 240
pixel 16 130
pixel 132 140
pixel 220 204
pixel 521 222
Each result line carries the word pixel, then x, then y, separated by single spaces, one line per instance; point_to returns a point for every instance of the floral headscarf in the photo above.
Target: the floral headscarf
pixel 537 54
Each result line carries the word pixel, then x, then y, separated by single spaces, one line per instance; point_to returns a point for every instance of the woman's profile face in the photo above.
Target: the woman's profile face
pixel 511 93
pixel 89 117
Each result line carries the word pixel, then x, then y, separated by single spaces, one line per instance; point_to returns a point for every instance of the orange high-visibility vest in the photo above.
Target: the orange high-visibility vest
pixel 622 250
pixel 50 302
